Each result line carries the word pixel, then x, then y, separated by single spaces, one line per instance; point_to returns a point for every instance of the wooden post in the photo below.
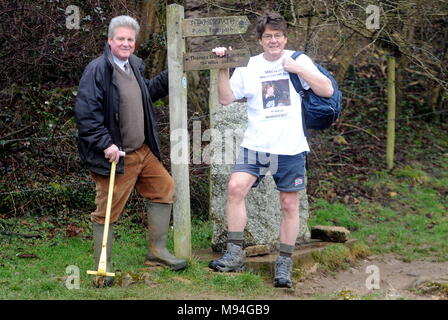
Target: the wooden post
pixel 391 107
pixel 213 95
pixel 178 61
pixel 212 105
pixel 179 138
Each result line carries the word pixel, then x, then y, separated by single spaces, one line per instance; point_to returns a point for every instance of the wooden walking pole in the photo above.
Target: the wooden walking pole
pixel 391 112
pixel 179 131
pixel 102 264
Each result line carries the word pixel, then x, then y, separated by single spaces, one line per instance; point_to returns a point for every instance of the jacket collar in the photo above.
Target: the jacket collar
pixel 108 54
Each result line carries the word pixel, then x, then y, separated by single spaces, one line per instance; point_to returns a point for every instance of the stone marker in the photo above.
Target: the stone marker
pixel 262 203
pixel 258 250
pixel 330 233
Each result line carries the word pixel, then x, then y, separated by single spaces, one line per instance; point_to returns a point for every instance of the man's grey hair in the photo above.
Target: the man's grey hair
pixel 123 21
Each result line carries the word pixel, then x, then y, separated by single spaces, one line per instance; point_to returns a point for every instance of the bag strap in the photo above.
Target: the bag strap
pixel 299 88
pixel 295 78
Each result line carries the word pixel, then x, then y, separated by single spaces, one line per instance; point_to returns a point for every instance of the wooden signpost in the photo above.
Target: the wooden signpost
pixel 215 26
pixel 179 62
pixel 207 60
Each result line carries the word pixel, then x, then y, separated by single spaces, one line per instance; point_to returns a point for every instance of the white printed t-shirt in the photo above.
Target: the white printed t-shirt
pixel 274 107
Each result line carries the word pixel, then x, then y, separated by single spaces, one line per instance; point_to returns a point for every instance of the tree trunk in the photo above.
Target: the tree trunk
pixel 150 34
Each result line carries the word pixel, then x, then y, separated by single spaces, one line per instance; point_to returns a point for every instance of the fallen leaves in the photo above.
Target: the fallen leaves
pixel 126 279
pixel 431 224
pixel 340 140
pixel 349 199
pixel 73 231
pixel 180 279
pixel 26 255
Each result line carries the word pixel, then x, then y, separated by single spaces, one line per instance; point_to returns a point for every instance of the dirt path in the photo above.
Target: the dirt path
pixel 379 277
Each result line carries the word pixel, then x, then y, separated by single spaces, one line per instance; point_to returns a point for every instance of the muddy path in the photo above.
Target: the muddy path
pixel 384 277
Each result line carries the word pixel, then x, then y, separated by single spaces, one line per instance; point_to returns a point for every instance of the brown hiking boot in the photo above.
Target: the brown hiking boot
pixel 232 260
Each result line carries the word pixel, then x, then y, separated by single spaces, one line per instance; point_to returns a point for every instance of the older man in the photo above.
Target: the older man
pixel 114 113
pixel 274 139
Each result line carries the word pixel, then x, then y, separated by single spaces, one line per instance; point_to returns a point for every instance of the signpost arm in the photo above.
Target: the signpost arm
pixel 179 131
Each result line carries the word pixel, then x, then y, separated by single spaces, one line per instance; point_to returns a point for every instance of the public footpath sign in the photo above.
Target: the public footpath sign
pixel 179 62
pixel 207 60
pixel 215 26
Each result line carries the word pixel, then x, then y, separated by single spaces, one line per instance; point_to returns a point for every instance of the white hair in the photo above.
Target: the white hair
pixel 123 21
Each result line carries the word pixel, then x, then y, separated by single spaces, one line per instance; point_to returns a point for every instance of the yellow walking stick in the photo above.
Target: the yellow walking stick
pixel 102 265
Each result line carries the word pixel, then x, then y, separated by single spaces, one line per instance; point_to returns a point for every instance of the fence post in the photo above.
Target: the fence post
pixel 391 107
pixel 179 138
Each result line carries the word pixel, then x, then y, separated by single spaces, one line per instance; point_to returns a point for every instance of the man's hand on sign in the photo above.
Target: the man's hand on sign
pixel 221 51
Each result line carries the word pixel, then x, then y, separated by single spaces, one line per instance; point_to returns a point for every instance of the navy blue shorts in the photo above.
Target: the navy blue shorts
pixel 288 171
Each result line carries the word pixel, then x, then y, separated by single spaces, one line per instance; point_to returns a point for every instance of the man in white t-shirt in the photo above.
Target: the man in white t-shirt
pixel 274 139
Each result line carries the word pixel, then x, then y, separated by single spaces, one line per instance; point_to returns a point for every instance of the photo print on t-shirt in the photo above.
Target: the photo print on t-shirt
pixel 275 93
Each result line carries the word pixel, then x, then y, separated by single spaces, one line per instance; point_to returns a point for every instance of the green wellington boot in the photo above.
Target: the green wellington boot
pixel 159 215
pixel 98 230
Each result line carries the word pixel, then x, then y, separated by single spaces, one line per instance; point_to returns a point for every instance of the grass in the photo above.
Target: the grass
pixel 410 218
pixel 339 256
pixel 37 268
